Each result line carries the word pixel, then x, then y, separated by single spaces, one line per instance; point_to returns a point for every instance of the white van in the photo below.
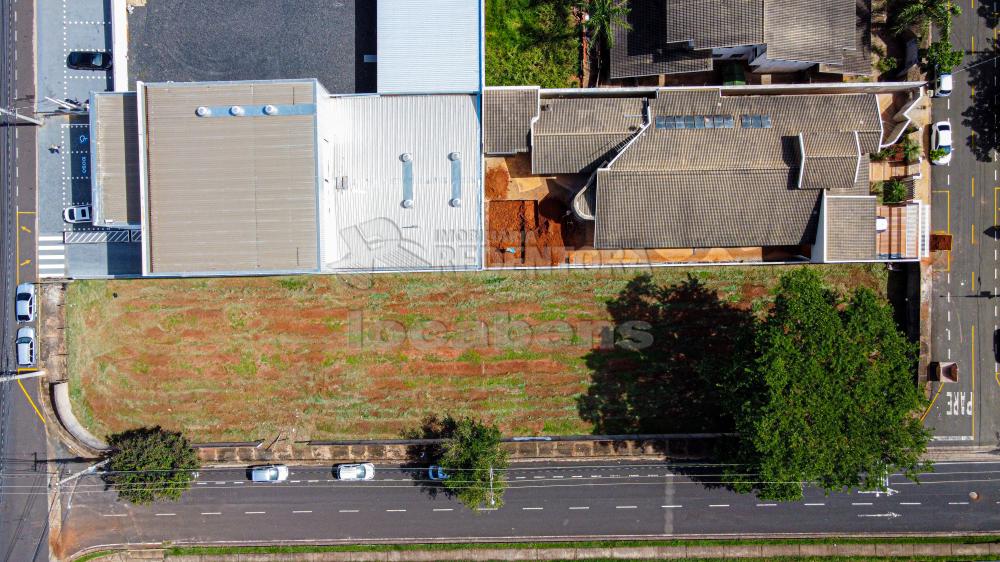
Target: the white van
pixel 26 347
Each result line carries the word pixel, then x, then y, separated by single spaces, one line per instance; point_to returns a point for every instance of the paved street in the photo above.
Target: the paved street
pixel 543 501
pixel 23 517
pixel 965 317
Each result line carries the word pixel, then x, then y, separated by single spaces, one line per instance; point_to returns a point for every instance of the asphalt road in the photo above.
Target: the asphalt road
pixel 23 517
pixel 544 501
pixel 965 312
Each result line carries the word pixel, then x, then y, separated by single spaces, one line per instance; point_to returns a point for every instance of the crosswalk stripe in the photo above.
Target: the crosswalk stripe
pixel 52 257
pixel 50 238
pixel 51 266
pixel 57 247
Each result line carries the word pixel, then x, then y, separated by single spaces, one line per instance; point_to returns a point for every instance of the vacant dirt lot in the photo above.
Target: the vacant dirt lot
pixel 362 357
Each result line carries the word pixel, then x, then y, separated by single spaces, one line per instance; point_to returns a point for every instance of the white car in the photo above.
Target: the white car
pixel 364 471
pixel 944 85
pixel 26 347
pixel 25 302
pixel 77 214
pixel 269 473
pixel 941 139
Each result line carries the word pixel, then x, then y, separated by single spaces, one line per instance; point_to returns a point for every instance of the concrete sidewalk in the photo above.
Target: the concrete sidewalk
pixel 944 551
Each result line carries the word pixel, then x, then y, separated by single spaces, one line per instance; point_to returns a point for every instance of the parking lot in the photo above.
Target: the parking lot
pixel 191 40
pixel 72 250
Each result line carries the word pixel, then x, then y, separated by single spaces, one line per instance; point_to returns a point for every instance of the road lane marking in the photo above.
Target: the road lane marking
pixel 211 513
pixel 313 481
pixel 958 503
pixel 32 402
pixel 165 514
pixel 767 505
pixel 625 507
pixel 114 515
pixel 395 510
pixel 532 508
pixel 253 512
pixel 302 511
pixel 294 481
pixel 520 477
pixel 348 511
pixel 718 505
pixel 443 509
pixel 559 477
pixel 815 504
pixel 576 476
pixel 860 503
pixel 909 503
pixel 671 506
pixel 579 507
pixel 202 483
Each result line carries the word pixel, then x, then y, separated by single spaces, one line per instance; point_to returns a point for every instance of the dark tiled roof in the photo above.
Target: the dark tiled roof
pixel 507 116
pixel 641 52
pixel 857 58
pixel 577 135
pixel 674 36
pixel 711 149
pixel 708 24
pixel 829 161
pixel 809 31
pixel 703 209
pixel 850 224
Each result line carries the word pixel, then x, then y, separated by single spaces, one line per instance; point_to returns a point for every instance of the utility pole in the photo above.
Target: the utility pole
pixel 17 115
pixel 31 375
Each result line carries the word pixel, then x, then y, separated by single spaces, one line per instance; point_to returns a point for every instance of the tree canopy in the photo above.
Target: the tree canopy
pixel 475 462
pixel 827 395
pixel 148 464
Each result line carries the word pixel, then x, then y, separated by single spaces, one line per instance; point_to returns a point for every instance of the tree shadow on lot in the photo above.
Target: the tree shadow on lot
pixel 674 345
pixel 421 456
pixel 981 115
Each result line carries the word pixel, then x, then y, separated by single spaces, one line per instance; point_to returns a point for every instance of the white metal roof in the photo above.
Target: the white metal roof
pixel 380 152
pixel 429 46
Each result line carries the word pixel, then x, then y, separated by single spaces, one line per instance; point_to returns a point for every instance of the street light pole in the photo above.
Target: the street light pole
pixel 17 115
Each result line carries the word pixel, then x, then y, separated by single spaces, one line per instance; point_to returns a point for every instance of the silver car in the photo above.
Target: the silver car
pixel 25 302
pixel 78 214
pixel 269 473
pixel 363 471
pixel 26 347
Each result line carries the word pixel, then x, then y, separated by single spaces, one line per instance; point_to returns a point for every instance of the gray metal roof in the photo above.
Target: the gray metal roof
pixel 578 134
pixel 850 228
pixel 114 157
pixel 429 46
pixel 674 36
pixel 224 193
pixel 507 117
pixel 382 150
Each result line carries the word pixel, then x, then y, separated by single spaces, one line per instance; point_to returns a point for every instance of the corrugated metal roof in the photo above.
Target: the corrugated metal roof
pixel 114 157
pixel 227 194
pixel 429 46
pixel 367 226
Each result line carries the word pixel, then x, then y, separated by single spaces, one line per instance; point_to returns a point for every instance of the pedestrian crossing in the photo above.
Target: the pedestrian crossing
pixel 51 257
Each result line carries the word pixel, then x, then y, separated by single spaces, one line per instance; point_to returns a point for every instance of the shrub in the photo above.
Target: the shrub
pixel 893 191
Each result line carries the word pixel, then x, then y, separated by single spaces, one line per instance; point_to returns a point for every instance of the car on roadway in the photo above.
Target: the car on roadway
pixel 78 214
pixel 941 140
pixel 269 473
pixel 996 345
pixel 437 473
pixel 362 471
pixel 24 302
pixel 88 60
pixel 944 85
pixel 26 347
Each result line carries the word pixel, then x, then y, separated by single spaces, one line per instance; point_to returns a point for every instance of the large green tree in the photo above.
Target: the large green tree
pixel 475 462
pixel 149 464
pixel 828 395
pixel 918 15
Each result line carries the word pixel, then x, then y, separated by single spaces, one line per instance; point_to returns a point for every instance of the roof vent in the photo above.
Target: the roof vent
pixel 455 156
pixel 202 111
pixel 455 202
pixel 237 111
pixel 405 157
pixel 270 110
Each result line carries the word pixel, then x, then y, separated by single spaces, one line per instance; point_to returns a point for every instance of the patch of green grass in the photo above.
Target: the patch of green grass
pixel 531 42
pixel 94 555
pixel 293 283
pixel 247 367
pixel 471 356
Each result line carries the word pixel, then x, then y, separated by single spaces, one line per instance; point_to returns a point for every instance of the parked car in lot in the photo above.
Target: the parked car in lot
pixel 24 302
pixel 363 471
pixel 269 473
pixel 941 139
pixel 435 472
pixel 26 347
pixel 88 60
pixel 942 88
pixel 78 213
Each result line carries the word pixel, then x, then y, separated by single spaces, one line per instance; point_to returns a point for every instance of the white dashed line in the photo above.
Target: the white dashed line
pixel 532 508
pixel 165 514
pixel 576 476
pixel 301 511
pixel 958 503
pixel 909 503
pixel 579 507
pixel 815 504
pixel 348 511
pixel 671 506
pixel 443 509
pixel 253 513
pixel 114 515
pixel 211 513
pixel 767 505
pixel 395 510
pixel 625 507
pixel 860 503
pixel 718 505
